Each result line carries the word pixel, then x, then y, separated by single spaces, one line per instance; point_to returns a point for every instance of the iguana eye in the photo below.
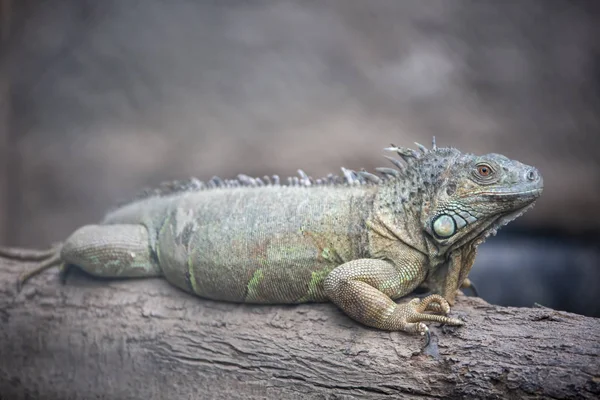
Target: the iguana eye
pixel 484 170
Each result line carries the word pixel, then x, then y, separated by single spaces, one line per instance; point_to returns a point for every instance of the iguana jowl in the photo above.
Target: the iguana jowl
pixel 360 240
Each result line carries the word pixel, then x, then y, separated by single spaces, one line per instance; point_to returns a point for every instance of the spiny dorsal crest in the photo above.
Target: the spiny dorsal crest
pixel 422 167
pixel 349 177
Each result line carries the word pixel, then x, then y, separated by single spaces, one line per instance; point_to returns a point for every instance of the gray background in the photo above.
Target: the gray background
pixel 99 99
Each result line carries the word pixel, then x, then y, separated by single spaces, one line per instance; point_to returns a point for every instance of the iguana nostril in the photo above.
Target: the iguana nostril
pixel 532 175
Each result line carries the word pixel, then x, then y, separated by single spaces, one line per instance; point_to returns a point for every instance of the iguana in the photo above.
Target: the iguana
pixel 359 240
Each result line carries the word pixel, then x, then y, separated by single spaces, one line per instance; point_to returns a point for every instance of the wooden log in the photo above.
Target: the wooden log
pixel 144 339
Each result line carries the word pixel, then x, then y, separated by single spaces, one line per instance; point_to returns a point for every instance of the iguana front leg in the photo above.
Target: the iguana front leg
pixel 459 266
pixel 364 289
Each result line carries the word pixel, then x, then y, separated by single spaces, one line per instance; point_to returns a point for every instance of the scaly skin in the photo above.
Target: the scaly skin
pixel 360 241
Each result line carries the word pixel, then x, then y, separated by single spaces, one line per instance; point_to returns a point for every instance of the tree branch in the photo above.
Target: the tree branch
pixel 144 339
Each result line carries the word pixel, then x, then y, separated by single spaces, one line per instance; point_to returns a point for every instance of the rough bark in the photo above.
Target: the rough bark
pixel 144 339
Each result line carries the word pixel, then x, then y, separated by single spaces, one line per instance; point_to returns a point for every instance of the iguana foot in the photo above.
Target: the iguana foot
pixel 63 272
pixel 412 315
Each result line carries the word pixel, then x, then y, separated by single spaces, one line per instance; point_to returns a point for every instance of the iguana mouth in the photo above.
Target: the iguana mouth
pixel 531 194
pixel 534 192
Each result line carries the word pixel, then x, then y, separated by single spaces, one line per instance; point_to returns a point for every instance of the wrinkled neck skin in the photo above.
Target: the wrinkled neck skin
pixel 399 211
pixel 465 249
pixel 396 218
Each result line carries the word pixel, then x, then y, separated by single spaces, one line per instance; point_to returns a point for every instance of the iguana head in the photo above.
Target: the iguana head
pixel 475 195
pixel 465 197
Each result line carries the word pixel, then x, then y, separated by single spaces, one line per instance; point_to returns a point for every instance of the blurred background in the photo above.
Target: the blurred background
pixel 101 98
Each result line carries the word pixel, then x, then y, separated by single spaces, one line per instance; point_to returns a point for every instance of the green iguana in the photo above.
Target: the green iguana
pixel 359 240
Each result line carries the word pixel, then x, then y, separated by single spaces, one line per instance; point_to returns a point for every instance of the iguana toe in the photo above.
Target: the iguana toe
pixel 410 317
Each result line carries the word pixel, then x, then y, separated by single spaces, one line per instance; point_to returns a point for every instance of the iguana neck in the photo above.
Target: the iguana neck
pixel 397 211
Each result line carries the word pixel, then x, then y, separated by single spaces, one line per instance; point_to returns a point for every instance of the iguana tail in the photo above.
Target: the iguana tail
pixel 45 259
pixel 27 254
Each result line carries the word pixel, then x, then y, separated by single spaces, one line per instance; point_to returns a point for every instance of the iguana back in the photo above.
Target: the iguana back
pixel 270 244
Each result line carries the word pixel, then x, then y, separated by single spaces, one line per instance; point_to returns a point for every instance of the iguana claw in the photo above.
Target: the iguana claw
pixel 427 337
